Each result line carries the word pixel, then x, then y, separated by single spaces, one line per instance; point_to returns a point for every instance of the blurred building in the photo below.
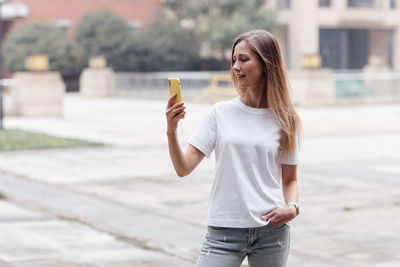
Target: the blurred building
pixel 10 12
pixel 342 34
pixel 67 13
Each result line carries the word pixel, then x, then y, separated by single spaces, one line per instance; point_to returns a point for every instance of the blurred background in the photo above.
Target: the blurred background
pixel 85 174
pixel 335 51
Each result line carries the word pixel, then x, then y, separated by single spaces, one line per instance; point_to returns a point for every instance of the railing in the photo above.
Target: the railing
pixel 221 88
pixel 214 86
pixel 159 80
pixel 155 84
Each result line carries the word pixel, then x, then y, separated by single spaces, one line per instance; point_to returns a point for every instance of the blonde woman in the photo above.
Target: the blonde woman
pixel 255 138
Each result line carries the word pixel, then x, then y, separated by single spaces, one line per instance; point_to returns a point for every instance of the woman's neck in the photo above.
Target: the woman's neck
pixel 255 98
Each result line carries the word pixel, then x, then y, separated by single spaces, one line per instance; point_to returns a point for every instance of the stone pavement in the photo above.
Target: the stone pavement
pixel 33 238
pixel 130 209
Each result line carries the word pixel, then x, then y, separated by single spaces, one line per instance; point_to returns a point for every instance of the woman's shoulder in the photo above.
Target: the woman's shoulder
pixel 225 103
pixel 222 107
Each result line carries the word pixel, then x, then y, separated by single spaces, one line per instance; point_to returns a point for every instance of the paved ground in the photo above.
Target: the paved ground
pixel 123 205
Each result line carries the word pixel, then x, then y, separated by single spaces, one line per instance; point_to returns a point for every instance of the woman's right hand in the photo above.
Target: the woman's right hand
pixel 174 113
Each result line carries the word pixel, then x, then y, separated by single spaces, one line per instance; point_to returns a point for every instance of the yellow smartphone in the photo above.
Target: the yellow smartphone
pixel 175 87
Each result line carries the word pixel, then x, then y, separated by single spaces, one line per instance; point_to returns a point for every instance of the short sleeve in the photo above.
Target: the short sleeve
pixel 204 138
pixel 291 159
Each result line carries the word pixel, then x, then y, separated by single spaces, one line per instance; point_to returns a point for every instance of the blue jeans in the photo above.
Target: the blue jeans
pixel 266 246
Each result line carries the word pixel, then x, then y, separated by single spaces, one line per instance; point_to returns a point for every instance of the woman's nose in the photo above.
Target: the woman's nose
pixel 236 66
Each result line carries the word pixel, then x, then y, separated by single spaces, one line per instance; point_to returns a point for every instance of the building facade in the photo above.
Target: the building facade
pixel 67 13
pixel 341 34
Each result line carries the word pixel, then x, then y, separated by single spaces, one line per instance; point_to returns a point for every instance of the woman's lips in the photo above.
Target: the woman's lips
pixel 239 77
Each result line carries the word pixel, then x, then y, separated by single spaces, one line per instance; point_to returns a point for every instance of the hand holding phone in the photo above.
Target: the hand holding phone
pixel 175 87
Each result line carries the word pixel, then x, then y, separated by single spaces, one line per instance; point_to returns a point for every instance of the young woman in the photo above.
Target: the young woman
pixel 255 138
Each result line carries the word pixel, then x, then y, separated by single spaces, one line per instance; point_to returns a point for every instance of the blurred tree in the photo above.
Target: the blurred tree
pixel 31 38
pixel 103 33
pixel 163 45
pixel 218 22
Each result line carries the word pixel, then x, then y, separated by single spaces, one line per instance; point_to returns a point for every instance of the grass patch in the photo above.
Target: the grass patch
pixel 13 139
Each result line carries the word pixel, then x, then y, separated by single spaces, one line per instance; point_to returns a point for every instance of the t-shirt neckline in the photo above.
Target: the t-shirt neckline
pixel 251 109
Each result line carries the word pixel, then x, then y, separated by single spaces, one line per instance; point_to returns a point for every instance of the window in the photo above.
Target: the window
pixel 324 3
pixel 360 3
pixel 285 4
pixel 343 48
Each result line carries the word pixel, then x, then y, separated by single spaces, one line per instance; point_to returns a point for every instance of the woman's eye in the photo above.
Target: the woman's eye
pixel 240 59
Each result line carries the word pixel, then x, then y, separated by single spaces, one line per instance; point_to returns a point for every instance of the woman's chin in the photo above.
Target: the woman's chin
pixel 241 90
pixel 241 86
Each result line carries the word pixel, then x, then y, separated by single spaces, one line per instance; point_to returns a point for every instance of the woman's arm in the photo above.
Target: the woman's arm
pixel 184 163
pixel 290 186
pixel 290 190
pixel 289 183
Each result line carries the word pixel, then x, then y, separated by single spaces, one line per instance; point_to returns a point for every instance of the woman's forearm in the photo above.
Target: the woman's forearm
pixel 290 191
pixel 291 194
pixel 176 154
pixel 282 215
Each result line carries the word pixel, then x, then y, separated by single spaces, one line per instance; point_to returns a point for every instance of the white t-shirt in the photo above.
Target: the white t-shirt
pixel 248 173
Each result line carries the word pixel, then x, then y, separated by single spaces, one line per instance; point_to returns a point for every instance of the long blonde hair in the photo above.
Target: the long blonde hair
pixel 277 93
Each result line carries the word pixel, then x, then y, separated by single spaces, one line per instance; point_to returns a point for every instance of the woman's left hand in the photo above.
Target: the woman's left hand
pixel 279 216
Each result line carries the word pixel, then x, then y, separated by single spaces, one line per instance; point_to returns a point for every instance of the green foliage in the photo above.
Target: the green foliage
pixel 103 33
pixel 163 45
pixel 223 29
pixel 14 139
pixel 39 37
pixel 218 22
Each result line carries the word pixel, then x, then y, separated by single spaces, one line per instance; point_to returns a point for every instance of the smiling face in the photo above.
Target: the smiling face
pixel 247 68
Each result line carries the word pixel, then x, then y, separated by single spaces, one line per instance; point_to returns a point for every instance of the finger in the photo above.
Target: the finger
pixel 265 217
pixel 277 220
pixel 268 215
pixel 179 115
pixel 177 111
pixel 274 220
pixel 171 99
pixel 171 113
pixel 174 107
pixel 179 104
pixel 273 216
